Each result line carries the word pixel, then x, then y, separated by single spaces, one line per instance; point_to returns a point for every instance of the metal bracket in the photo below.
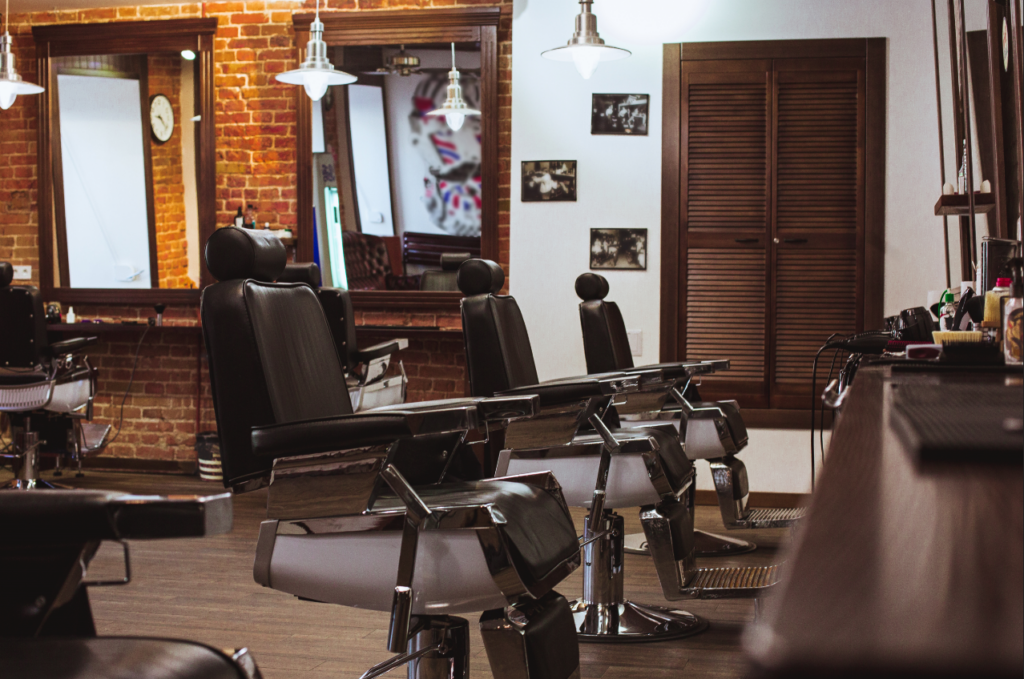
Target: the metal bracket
pixel 397 661
pixel 114 583
pixel 610 447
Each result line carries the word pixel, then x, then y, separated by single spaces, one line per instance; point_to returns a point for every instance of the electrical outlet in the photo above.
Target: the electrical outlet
pixel 636 342
pixel 23 272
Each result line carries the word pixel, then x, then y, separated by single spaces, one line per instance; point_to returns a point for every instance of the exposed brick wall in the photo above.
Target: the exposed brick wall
pixel 164 77
pixel 256 134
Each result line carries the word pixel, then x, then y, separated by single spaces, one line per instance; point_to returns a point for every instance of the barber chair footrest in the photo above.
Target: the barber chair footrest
pixel 631 622
pixel 769 518
pixel 707 544
pixel 746 582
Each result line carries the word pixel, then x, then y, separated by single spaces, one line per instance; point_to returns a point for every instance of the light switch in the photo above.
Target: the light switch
pixel 636 342
pixel 23 272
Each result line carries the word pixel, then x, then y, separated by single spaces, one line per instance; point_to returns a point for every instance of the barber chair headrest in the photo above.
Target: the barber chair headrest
pixel 233 253
pixel 308 273
pixel 6 274
pixel 479 277
pixel 591 286
pixel 451 261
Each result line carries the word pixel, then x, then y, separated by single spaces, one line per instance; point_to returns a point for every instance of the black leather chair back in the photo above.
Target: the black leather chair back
pixel 605 341
pixel 23 339
pixel 445 279
pixel 337 307
pixel 498 351
pixel 272 357
pixel 307 272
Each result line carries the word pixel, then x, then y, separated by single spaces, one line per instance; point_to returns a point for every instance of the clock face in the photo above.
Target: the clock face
pixel 161 118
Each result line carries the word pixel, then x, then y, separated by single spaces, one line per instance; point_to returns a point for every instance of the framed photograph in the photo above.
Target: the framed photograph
pixel 618 249
pixel 620 114
pixel 549 180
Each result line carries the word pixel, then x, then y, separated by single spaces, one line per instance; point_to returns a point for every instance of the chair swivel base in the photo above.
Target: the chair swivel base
pixel 629 622
pixel 708 544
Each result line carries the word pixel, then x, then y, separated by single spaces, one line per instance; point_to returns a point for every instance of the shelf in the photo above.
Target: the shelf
pixel 100 328
pixel 958 205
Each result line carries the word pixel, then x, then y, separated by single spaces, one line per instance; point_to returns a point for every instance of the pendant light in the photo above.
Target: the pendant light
pixel 11 84
pixel 455 109
pixel 316 73
pixel 586 49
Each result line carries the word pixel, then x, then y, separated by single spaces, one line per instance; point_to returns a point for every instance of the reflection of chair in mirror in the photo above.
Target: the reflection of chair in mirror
pixel 45 388
pixel 335 533
pixel 365 369
pixel 368 264
pixel 444 279
pixel 46 621
pixel 632 467
pixel 711 431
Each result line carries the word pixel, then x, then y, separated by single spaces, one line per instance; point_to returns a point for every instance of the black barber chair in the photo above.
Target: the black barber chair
pixel 365 369
pixel 362 509
pixel 45 388
pixel 711 431
pixel 633 467
pixel 49 539
pixel 444 280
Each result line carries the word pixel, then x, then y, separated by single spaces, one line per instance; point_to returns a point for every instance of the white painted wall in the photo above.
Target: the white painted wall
pixel 620 186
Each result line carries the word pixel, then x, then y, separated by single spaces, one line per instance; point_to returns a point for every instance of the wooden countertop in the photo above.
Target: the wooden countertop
pixel 899 569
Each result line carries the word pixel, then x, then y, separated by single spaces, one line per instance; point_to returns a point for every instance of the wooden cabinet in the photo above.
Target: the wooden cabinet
pixel 771 224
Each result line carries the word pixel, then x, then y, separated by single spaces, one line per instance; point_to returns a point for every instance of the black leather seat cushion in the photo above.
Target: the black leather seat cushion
pixel 113 658
pixel 20 379
pixel 540 534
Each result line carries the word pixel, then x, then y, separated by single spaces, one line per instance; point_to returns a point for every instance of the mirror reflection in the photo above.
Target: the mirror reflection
pixel 124 171
pixel 395 187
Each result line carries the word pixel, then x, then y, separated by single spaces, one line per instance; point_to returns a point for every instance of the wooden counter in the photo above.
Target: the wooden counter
pixel 899 570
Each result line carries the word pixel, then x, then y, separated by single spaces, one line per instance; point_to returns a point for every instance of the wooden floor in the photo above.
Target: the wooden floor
pixel 203 590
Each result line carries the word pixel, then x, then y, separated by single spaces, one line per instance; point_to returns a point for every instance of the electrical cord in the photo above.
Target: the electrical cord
pixel 131 380
pixel 821 420
pixel 814 388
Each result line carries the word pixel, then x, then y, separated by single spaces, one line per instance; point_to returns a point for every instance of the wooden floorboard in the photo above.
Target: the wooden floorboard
pixel 203 590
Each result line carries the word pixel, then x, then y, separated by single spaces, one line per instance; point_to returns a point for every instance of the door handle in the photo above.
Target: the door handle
pixel 748 240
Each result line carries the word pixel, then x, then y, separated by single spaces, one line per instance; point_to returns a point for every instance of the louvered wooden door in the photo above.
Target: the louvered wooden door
pixel 726 191
pixel 771 219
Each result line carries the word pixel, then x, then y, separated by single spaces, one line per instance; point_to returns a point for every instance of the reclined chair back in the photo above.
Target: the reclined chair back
pixel 272 357
pixel 605 341
pixel 337 306
pixel 498 351
pixel 23 340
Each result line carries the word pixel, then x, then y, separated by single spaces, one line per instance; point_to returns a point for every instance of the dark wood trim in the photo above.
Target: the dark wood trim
pixel 876 88
pixel 774 49
pixel 104 328
pixel 136 465
pixel 406 331
pixel 142 68
pixel 125 37
pixel 411 27
pixel 417 299
pixel 671 136
pixel 764 500
pixel 174 296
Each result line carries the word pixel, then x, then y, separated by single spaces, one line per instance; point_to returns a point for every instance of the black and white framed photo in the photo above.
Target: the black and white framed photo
pixel 618 249
pixel 549 180
pixel 625 114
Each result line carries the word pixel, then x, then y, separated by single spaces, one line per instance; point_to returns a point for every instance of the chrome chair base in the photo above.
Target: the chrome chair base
pixel 708 544
pixel 631 622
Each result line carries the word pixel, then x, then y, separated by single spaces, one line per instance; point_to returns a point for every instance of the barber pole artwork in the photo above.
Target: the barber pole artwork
pixel 452 185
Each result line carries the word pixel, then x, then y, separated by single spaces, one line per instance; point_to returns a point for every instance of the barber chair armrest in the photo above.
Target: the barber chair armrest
pixel 70 346
pixel 490 409
pixel 683 370
pixel 379 350
pixel 570 389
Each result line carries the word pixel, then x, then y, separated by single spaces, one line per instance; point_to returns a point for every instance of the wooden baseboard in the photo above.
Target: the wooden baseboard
pixel 132 464
pixel 760 500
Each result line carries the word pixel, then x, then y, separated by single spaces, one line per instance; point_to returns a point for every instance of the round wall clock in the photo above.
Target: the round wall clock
pixel 161 118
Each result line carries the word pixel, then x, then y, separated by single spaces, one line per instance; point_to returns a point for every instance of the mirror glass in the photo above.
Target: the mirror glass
pixel 124 171
pixel 394 187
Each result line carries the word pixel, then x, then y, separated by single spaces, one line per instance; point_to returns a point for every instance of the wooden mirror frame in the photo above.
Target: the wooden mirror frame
pixel 409 27
pixel 127 37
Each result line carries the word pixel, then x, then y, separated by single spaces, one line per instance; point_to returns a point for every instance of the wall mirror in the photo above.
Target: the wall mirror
pixel 126 149
pixel 978 56
pixel 385 189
